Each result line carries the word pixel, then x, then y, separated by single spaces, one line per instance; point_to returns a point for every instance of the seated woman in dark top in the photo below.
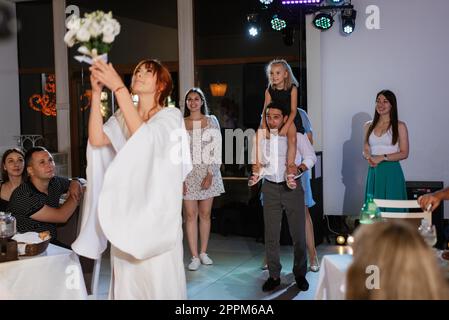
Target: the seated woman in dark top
pixel 35 203
pixel 13 165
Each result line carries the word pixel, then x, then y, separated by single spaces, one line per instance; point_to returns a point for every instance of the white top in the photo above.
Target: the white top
pixel 382 145
pixel 275 155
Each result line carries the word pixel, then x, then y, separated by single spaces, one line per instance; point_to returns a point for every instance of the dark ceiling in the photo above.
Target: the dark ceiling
pixel 212 17
pixel 152 11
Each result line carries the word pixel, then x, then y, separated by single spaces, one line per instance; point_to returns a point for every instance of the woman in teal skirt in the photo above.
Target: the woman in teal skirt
pixel 386 143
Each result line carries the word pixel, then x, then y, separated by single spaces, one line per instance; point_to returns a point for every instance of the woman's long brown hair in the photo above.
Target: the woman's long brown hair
pixel 389 95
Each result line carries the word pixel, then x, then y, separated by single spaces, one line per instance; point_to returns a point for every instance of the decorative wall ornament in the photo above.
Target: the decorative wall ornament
pixel 46 102
pixel 86 99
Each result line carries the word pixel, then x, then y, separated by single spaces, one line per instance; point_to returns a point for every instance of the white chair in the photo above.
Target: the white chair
pixel 402 204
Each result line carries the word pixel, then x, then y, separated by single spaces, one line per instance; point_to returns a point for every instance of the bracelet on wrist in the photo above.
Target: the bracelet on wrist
pixel 119 88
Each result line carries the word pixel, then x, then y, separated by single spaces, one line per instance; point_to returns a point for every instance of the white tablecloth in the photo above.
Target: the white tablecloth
pixel 331 281
pixel 54 274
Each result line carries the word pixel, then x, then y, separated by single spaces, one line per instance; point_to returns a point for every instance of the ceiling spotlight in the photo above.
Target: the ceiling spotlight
pixel 277 23
pixel 348 20
pixel 253 24
pixel 304 2
pixel 253 31
pixel 266 2
pixel 323 21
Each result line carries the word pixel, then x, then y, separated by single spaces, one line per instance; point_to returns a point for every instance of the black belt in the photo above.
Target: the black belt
pixel 283 182
pixel 279 183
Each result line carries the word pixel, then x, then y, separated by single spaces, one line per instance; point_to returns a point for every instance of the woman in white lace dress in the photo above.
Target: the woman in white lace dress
pixel 204 182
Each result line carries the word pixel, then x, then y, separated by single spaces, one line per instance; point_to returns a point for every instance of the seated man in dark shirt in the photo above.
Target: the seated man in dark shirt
pixel 35 203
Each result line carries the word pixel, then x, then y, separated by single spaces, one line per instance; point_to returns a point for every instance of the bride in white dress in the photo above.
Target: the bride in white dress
pixel 137 162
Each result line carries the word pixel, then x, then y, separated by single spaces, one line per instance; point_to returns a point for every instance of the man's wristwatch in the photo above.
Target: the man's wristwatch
pixel 385 157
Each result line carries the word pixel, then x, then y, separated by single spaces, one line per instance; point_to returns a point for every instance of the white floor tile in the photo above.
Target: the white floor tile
pixel 236 273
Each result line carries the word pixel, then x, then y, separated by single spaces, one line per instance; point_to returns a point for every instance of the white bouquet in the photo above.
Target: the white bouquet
pixel 95 32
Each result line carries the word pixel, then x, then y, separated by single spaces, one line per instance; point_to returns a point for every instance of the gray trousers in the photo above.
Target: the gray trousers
pixel 277 197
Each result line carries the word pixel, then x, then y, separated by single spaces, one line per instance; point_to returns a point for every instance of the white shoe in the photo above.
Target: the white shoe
pixel 194 264
pixel 205 259
pixel 315 265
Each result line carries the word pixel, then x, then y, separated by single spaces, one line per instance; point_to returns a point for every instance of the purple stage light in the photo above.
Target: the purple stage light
pixel 287 2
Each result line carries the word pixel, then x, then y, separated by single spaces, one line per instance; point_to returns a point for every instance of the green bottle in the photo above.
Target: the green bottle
pixel 370 213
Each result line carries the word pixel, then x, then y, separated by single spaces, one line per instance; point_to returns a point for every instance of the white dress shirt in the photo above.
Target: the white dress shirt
pixel 274 155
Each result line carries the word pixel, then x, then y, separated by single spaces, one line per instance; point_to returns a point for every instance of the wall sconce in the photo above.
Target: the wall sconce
pixel 218 89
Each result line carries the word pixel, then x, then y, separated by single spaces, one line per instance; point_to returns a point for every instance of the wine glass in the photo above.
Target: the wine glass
pixel 429 234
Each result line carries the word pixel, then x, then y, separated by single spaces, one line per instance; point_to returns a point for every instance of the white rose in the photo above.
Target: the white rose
pixel 83 34
pixel 108 32
pixel 107 26
pixel 94 29
pixel 116 27
pixel 108 38
pixel 69 38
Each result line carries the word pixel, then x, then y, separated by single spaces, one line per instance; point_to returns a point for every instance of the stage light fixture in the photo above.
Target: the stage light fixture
pixel 348 20
pixel 253 24
pixel 323 21
pixel 335 2
pixel 253 31
pixel 266 2
pixel 303 2
pixel 277 23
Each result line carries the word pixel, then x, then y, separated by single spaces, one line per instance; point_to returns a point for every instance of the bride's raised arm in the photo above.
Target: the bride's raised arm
pixel 107 75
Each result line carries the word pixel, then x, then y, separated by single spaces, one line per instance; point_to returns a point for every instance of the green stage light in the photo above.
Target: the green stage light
pixel 277 23
pixel 335 2
pixel 323 21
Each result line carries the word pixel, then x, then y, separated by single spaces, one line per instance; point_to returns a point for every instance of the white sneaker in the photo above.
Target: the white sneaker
pixel 194 264
pixel 205 259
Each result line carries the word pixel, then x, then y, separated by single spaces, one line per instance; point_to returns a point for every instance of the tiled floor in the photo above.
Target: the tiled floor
pixel 236 272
